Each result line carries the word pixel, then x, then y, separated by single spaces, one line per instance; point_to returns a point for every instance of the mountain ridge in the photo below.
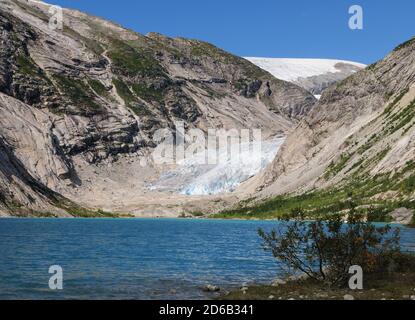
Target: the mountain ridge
pixel 96 93
pixel 314 75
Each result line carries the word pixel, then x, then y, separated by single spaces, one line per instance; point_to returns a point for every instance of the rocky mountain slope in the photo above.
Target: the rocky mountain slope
pixel 314 75
pixel 359 139
pixel 79 107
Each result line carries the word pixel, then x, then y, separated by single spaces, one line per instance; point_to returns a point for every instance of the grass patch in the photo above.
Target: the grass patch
pixel 405 44
pixel 200 49
pixel 147 93
pixel 130 100
pixel 335 199
pixel 279 206
pixel 26 66
pixel 389 108
pixel 91 44
pixel 100 89
pixel 86 213
pixel 80 212
pixel 335 167
pixel 21 211
pixel 408 185
pixel 402 118
pixel 123 91
pixel 79 94
pixel 197 214
pixel 132 62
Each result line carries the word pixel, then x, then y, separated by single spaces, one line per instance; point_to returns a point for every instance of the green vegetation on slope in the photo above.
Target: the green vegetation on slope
pixel 100 89
pixel 402 118
pixel 123 91
pixel 130 61
pixel 405 44
pixel 393 120
pixel 147 93
pixel 130 100
pixel 79 94
pixel 204 49
pixel 28 67
pixel 398 98
pixel 90 43
pixel 79 212
pixel 362 190
pixel 335 167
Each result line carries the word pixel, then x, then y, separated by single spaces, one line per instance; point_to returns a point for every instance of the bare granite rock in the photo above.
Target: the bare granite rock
pixel 402 215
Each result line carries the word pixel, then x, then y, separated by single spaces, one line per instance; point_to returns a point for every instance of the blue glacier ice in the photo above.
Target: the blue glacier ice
pixel 194 179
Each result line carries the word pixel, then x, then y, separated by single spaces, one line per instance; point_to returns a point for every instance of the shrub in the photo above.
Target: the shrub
pixel 378 214
pixel 325 250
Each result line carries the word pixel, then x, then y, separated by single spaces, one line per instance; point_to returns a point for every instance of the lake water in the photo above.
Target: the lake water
pixel 134 258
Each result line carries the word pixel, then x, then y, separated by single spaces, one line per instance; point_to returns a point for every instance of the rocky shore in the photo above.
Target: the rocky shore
pixel 395 286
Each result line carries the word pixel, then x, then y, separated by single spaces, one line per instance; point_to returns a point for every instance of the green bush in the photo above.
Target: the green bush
pixel 381 214
pixel 408 185
pixel 324 250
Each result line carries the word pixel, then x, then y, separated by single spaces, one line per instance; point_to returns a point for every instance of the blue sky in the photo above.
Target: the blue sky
pixel 268 28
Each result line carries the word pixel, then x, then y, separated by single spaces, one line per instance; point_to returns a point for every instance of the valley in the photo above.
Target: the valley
pixel 85 109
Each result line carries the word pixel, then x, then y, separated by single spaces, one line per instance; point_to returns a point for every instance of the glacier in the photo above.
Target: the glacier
pixel 314 75
pixel 291 69
pixel 192 178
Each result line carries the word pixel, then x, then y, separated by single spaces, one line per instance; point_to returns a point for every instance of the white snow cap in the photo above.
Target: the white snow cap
pixel 290 69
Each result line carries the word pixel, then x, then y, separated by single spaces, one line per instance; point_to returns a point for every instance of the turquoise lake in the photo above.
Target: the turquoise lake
pixel 134 258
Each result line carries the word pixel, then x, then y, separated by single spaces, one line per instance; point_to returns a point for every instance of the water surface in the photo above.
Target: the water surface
pixel 134 258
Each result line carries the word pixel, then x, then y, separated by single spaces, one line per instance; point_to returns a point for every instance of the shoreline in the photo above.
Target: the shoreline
pixel 175 218
pixel 386 286
pixel 399 286
pixel 178 218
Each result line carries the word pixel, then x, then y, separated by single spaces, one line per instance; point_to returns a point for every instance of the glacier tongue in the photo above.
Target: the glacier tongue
pixel 192 178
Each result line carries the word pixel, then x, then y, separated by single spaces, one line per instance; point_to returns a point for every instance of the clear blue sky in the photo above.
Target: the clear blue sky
pixel 268 28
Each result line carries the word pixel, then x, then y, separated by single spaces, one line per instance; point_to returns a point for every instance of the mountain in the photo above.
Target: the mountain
pixel 314 75
pixel 357 142
pixel 79 108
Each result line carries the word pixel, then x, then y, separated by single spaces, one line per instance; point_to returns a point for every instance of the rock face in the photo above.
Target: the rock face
pixel 90 97
pixel 402 215
pixel 361 131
